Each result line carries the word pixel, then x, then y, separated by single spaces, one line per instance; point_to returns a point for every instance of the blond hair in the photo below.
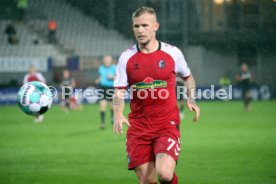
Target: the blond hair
pixel 143 10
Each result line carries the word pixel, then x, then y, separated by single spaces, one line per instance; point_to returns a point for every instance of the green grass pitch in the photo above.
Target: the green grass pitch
pixel 226 146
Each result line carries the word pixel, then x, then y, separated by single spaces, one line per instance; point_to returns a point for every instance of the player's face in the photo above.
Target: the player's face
pixel 31 70
pixel 244 67
pixel 66 74
pixel 107 60
pixel 144 28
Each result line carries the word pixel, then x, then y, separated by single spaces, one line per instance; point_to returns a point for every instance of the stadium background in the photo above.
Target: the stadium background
pixel 216 36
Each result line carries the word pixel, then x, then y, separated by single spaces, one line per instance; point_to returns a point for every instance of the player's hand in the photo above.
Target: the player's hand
pixel 97 81
pixel 193 107
pixel 119 120
pixel 110 77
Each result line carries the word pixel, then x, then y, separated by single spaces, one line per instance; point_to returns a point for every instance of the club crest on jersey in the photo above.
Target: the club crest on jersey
pixel 149 83
pixel 136 66
pixel 161 64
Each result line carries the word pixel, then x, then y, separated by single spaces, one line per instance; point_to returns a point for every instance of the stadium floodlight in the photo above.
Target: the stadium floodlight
pixel 218 1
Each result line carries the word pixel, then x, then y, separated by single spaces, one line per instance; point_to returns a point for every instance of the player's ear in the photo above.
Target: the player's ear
pixel 156 26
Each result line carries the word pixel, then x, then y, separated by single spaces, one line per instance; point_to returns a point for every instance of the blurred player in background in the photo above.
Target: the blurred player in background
pixel 33 75
pixel 245 79
pixel 106 79
pixel 67 82
pixel 153 136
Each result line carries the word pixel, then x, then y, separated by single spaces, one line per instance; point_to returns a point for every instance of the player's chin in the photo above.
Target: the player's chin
pixel 142 41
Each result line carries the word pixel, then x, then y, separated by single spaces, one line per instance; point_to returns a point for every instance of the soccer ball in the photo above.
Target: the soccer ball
pixel 34 98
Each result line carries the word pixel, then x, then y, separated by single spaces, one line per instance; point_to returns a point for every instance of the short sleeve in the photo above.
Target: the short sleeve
pixel 41 78
pixel 121 80
pixel 182 67
pixel 25 80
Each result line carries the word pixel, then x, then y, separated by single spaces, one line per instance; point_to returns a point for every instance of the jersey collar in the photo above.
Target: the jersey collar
pixel 159 46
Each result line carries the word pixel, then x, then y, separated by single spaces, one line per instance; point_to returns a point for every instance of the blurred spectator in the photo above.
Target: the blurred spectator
pixel 11 31
pixel 22 5
pixel 52 27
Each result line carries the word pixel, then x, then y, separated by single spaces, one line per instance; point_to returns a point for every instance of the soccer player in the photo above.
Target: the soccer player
pixel 33 75
pixel 245 78
pixel 106 79
pixel 67 82
pixel 149 68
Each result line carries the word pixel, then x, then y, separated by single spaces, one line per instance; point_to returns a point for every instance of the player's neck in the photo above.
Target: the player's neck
pixel 150 47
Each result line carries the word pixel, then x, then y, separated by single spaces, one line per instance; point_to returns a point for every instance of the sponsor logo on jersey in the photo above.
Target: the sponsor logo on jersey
pixel 161 64
pixel 149 83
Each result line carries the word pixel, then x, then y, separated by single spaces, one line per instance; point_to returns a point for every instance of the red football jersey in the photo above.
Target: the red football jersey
pixel 151 79
pixel 34 77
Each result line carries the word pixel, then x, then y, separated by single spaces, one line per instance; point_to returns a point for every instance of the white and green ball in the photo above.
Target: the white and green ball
pixel 34 98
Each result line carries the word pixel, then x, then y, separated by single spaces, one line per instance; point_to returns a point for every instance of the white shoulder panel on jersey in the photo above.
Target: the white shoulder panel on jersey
pixel 121 79
pixel 181 66
pixel 40 77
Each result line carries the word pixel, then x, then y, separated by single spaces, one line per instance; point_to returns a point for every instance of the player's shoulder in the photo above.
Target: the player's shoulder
pixel 38 73
pixel 170 49
pixel 128 53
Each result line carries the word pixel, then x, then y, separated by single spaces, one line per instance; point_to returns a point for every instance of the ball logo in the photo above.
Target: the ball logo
pixel 24 99
pixel 44 100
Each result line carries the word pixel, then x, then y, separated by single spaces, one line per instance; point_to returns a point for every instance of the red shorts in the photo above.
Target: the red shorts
pixel 143 146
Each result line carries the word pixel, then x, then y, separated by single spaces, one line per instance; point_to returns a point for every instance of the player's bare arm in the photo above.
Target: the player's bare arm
pixel 191 87
pixel 118 108
pixel 97 81
pixel 238 78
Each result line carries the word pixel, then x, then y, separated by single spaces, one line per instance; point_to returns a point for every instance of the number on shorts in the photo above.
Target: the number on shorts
pixel 171 145
pixel 177 147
